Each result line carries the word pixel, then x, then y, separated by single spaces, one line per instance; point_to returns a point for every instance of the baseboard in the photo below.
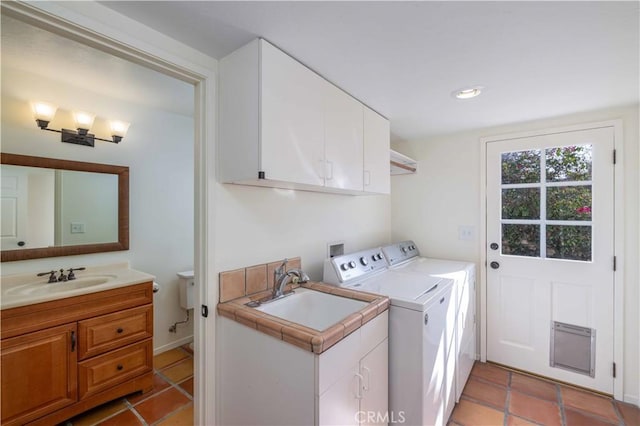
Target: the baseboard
pixel 172 345
pixel 632 399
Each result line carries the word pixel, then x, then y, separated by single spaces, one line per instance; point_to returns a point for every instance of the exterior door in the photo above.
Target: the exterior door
pixel 550 255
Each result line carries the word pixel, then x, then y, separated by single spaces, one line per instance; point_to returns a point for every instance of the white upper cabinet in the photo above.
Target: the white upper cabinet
pixel 292 120
pixel 377 176
pixel 282 125
pixel 343 139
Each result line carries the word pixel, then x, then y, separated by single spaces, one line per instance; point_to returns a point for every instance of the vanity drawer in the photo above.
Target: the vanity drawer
pixel 110 369
pixel 102 334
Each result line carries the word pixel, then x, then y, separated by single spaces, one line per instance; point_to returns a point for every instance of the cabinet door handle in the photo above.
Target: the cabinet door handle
pixel 359 387
pixel 73 341
pixel 330 174
pixel 119 367
pixel 119 330
pixel 367 386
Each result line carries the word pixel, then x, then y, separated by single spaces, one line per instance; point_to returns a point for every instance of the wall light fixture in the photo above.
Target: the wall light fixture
pixel 44 113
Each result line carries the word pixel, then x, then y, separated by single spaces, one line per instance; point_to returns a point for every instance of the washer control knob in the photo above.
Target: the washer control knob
pixel 344 267
pixel 352 264
pixel 379 256
pixel 404 249
pixel 374 257
pixel 364 261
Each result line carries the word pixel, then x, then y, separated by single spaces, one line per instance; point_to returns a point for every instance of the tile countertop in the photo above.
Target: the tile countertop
pixel 116 274
pixel 304 337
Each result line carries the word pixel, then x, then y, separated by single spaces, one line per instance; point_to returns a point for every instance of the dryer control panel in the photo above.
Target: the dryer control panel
pixel 347 267
pixel 400 252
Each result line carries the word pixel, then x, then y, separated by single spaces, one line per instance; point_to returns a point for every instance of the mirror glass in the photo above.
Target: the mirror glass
pixel 67 208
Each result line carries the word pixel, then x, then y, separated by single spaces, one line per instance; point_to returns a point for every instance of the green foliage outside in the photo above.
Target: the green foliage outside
pixel 563 164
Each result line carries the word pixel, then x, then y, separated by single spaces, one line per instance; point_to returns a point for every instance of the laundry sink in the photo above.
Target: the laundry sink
pixel 313 309
pixel 38 288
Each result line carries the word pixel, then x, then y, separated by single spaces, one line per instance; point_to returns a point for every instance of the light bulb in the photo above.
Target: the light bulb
pixel 84 120
pixel 43 111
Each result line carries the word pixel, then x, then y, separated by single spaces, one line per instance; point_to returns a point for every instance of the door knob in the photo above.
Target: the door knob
pixel 494 246
pixel 494 265
pixel 20 243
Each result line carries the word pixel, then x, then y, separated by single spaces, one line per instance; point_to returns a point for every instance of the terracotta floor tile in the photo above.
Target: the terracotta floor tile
pixel 532 386
pixel 579 418
pixel 183 417
pixel 630 413
pixel 518 421
pixel 180 371
pixel 490 373
pixel 187 385
pixel 167 358
pixel 586 401
pixel 538 410
pixel 158 406
pixel 490 394
pixel 158 385
pixel 126 418
pixel 468 413
pixel 99 413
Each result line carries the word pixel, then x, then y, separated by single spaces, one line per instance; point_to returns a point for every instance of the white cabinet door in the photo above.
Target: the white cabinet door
pixel 339 405
pixel 377 173
pixel 374 369
pixel 343 136
pixel 292 108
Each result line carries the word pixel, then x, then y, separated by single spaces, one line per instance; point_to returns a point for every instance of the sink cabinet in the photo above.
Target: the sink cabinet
pixel 264 380
pixel 282 125
pixel 63 357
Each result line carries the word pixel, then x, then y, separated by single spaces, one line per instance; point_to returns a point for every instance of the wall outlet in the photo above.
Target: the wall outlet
pixel 335 248
pixel 77 228
pixel 466 233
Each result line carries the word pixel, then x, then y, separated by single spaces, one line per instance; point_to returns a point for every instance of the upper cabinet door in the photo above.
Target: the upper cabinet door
pixel 377 173
pixel 343 139
pixel 292 137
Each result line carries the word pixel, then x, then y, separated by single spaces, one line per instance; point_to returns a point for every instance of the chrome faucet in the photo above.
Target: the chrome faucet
pixel 281 277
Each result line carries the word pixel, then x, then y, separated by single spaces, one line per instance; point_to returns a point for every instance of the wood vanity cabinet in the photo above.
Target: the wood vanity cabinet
pixel 63 357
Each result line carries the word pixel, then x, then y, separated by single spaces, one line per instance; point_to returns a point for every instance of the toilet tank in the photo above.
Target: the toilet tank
pixel 187 289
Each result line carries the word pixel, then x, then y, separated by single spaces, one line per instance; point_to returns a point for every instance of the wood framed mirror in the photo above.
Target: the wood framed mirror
pixel 56 207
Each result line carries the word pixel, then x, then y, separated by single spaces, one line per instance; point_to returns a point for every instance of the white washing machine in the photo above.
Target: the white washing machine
pixel 421 324
pixel 404 257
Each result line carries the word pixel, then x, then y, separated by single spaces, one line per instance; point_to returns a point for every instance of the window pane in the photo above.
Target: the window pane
pixel 521 167
pixel 569 203
pixel 569 242
pixel 521 240
pixel 569 163
pixel 521 203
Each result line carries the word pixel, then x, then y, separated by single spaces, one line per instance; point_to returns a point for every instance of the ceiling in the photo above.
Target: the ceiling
pixel 403 59
pixel 41 57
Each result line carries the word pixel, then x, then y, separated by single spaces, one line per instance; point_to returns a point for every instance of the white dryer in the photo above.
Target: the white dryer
pixel 404 257
pixel 421 320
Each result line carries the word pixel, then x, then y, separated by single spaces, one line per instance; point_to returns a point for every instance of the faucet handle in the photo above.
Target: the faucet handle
pixel 282 268
pixel 71 275
pixel 62 276
pixel 52 276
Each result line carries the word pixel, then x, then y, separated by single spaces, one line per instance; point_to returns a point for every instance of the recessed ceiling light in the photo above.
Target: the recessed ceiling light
pixel 468 93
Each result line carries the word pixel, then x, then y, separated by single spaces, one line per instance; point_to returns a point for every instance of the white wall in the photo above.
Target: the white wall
pixel 159 150
pixel 429 206
pixel 257 225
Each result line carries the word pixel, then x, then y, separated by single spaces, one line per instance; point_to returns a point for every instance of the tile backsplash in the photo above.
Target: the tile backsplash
pixel 250 280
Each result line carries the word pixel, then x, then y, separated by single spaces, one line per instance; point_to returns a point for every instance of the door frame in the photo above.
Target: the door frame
pixel 618 318
pixel 97 26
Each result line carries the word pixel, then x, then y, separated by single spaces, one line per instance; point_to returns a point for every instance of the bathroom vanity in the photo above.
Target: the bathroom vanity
pixel 68 349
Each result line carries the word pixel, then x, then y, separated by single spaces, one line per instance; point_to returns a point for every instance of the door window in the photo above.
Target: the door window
pixel 546 202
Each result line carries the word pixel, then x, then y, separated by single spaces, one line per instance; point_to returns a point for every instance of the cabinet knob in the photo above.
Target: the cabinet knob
pixel 119 367
pixel 119 330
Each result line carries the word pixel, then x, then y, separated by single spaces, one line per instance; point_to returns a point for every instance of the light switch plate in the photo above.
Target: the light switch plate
pixel 77 228
pixel 466 233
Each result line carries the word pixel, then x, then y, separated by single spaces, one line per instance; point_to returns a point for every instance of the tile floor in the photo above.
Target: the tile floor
pixel 170 403
pixel 495 396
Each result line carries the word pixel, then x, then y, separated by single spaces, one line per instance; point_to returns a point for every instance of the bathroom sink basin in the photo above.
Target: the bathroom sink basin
pixel 38 288
pixel 312 309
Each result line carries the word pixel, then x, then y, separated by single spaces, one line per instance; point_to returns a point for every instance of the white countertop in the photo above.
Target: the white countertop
pixel 27 289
